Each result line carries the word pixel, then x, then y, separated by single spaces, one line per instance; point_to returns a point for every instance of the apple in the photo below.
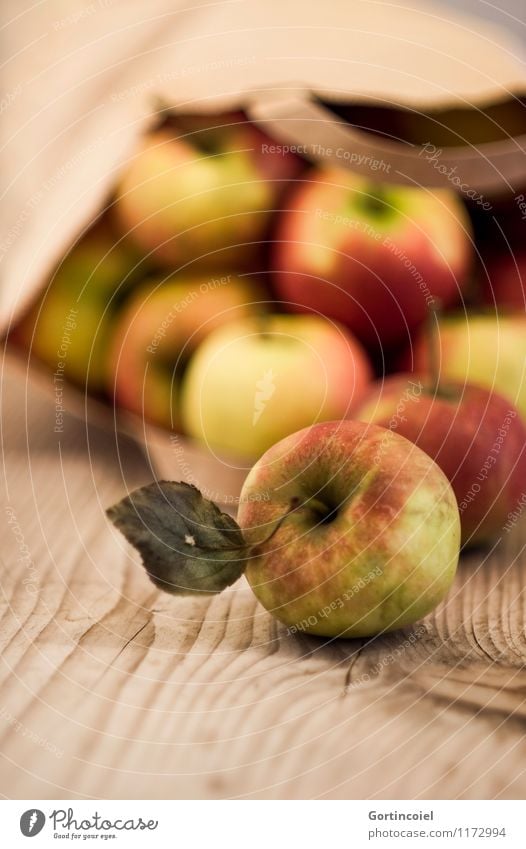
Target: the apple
pixel 503 281
pixel 476 436
pixel 458 126
pixel 370 539
pixel 370 256
pixel 158 328
pixel 487 350
pixel 255 381
pixel 68 327
pixel 205 191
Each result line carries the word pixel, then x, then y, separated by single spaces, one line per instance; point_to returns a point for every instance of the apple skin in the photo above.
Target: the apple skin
pixel 503 281
pixel 206 195
pixel 381 561
pixel 476 436
pixel 160 326
pixel 70 324
pixel 351 250
pixel 487 350
pixel 254 382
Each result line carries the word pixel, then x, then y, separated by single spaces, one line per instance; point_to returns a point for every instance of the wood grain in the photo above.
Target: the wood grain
pixel 111 689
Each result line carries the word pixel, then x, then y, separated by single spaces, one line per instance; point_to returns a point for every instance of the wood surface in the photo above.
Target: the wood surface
pixel 112 689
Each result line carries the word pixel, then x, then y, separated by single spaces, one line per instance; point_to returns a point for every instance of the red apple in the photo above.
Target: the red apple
pixel 205 192
pixel 158 329
pixel 255 381
pixel 373 257
pixel 476 436
pixel 503 281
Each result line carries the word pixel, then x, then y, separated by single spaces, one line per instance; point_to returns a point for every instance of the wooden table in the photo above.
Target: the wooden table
pixel 112 689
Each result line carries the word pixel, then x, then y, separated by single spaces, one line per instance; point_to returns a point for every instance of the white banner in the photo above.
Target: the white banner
pixel 265 824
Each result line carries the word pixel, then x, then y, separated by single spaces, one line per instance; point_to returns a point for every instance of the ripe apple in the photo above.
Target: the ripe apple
pixel 371 542
pixel 68 328
pixel 204 193
pixel 504 280
pixel 159 327
pixel 253 382
pixel 476 436
pixel 373 257
pixel 487 350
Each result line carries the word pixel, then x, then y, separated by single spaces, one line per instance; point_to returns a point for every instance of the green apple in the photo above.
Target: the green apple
pixel 255 381
pixel 160 326
pixel 371 534
pixel 68 328
pixel 203 193
pixel 488 350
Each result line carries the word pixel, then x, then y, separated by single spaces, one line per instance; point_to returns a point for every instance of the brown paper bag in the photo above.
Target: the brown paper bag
pixel 414 86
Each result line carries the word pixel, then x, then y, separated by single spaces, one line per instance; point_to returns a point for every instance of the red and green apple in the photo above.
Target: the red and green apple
pixel 374 542
pixel 371 256
pixel 69 327
pixel 203 192
pixel 475 435
pixel 487 350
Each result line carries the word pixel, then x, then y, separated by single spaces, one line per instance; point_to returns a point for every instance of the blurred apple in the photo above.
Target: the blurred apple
pixel 476 436
pixel 68 328
pixel 158 329
pixel 370 541
pixel 255 381
pixel 204 193
pixel 503 280
pixel 373 257
pixel 483 349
